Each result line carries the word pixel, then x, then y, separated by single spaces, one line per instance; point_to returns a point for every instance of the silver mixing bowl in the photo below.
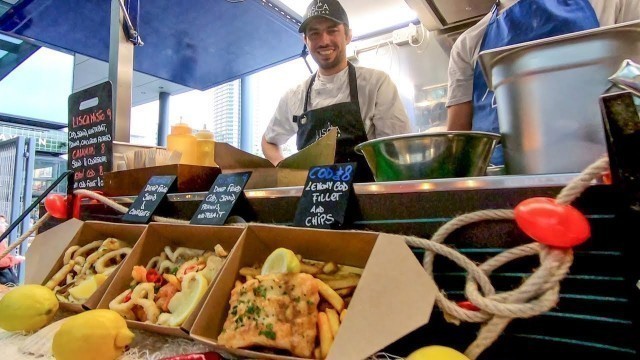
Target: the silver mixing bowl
pixel 434 155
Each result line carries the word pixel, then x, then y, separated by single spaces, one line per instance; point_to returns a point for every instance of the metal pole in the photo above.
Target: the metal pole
pixel 120 74
pixel 163 118
pixel 16 202
pixel 30 154
pixel 246 115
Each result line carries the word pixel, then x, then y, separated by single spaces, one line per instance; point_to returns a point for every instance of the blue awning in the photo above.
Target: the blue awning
pixel 195 43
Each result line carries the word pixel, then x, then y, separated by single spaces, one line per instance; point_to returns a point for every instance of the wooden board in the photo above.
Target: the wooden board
pixel 191 178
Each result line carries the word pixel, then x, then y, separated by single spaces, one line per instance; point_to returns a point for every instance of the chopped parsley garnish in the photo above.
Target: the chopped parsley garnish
pixel 234 310
pixel 309 302
pixel 174 270
pixel 268 333
pixel 296 299
pixel 260 291
pixel 253 310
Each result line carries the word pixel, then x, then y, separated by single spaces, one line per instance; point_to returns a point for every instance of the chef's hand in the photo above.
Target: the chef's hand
pixel 272 152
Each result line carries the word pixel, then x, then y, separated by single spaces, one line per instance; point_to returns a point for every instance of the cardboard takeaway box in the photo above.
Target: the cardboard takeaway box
pixel 291 171
pixel 152 243
pixel 46 253
pixel 394 296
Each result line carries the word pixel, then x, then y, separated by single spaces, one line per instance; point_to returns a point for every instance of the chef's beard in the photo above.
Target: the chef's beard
pixel 331 64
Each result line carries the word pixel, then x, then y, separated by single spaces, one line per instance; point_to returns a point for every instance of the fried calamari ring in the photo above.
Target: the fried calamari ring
pixel 182 252
pixel 153 263
pixel 220 251
pixel 57 278
pixel 109 270
pixel 164 318
pixel 90 246
pixel 186 253
pixel 123 308
pixel 113 244
pixel 214 264
pixel 69 253
pixel 167 264
pixel 91 259
pixel 101 263
pixel 143 295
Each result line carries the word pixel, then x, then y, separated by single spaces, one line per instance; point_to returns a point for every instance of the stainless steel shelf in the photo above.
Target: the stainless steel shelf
pixel 398 187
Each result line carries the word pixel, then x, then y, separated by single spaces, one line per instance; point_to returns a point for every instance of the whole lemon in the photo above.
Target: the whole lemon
pixel 96 334
pixel 436 352
pixel 27 308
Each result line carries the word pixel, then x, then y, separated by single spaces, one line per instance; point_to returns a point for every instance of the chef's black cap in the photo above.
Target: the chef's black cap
pixel 330 9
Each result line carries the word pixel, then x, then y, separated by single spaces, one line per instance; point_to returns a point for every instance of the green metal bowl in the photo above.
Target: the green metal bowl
pixel 448 154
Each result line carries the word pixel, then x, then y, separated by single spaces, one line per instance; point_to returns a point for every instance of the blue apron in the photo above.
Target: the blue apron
pixel 527 20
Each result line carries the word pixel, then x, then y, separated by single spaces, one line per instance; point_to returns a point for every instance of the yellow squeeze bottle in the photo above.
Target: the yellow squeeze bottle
pixel 182 139
pixel 206 146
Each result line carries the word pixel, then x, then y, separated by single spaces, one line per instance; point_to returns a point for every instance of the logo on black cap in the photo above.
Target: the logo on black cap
pixel 330 9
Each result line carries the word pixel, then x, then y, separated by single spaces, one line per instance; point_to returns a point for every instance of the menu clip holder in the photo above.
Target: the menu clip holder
pixel 325 196
pixel 149 198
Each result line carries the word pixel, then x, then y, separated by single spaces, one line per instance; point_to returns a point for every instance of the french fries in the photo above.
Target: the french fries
pixel 330 268
pixel 330 295
pixel 337 282
pixel 334 321
pixel 249 271
pixel 325 334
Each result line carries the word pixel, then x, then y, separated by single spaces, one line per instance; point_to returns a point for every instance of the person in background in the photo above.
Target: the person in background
pixel 7 276
pixel 470 104
pixel 362 103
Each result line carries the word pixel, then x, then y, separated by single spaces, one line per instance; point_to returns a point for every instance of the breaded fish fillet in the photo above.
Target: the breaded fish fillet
pixel 277 311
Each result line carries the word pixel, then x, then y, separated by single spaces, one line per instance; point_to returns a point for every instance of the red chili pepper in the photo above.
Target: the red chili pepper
pixel 154 277
pixel 468 305
pixel 128 297
pixel 199 356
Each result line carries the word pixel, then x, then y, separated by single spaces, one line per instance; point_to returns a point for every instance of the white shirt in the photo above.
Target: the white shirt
pixel 465 50
pixel 380 105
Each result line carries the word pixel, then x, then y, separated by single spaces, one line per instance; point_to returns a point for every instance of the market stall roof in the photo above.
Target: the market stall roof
pixel 195 43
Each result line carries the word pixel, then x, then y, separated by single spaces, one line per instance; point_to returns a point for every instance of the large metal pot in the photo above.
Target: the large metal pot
pixel 434 155
pixel 547 93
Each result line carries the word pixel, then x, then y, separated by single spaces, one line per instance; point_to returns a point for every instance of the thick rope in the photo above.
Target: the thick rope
pixel 537 294
pixel 26 235
pixel 123 209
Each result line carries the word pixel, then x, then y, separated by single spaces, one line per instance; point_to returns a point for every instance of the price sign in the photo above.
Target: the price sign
pixel 325 196
pixel 149 198
pixel 224 193
pixel 90 136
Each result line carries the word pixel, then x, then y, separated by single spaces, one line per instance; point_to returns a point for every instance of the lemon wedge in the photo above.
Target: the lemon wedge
pixel 281 261
pixel 86 288
pixel 194 286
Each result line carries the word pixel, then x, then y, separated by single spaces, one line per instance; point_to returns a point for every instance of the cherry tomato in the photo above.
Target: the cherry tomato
pixel 552 224
pixel 56 205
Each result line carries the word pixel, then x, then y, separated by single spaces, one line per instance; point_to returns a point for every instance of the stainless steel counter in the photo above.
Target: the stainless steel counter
pixel 399 187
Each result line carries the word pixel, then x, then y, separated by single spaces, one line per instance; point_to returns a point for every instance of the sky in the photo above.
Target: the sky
pixel 40 88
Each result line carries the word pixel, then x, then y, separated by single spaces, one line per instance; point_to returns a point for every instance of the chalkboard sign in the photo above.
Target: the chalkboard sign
pixel 325 196
pixel 149 198
pixel 217 205
pixel 90 136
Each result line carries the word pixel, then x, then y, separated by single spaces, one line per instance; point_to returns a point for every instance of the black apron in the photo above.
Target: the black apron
pixel 313 124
